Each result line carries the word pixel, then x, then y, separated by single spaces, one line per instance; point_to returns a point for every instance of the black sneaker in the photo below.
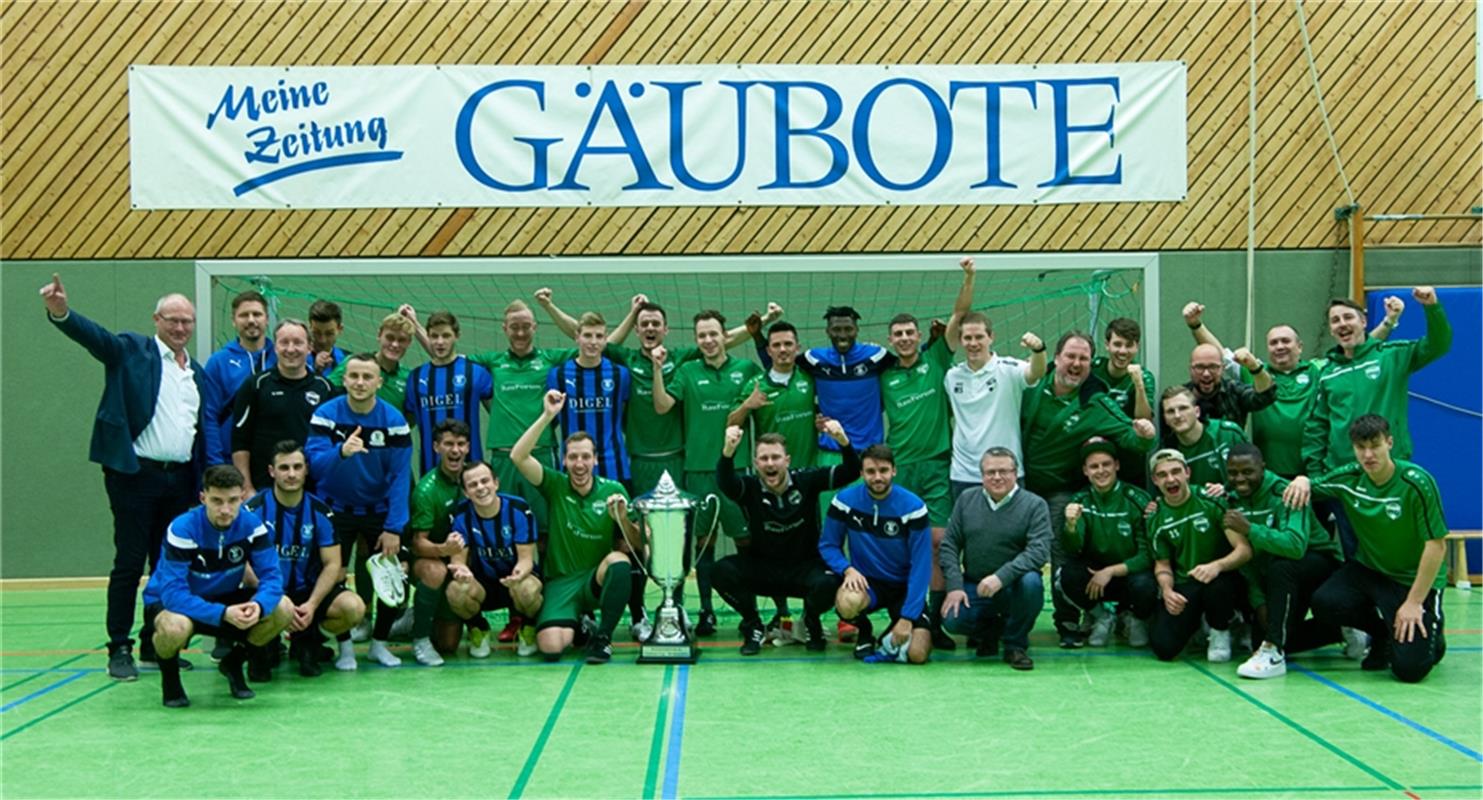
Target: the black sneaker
pixel 231 668
pixel 814 630
pixel 986 648
pixel 599 649
pixel 1379 656
pixel 707 624
pixel 305 653
pixel 1072 640
pixel 121 664
pixel 941 641
pixel 863 648
pixel 259 663
pixel 752 640
pixel 586 627
pixel 986 638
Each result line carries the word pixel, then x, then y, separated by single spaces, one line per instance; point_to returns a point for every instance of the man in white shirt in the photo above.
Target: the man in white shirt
pixel 986 392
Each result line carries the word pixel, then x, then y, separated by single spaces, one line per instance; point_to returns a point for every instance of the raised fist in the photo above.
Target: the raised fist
pixel 1425 295
pixel 1193 312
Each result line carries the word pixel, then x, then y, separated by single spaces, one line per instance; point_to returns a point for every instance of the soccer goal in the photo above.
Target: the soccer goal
pixel 1045 293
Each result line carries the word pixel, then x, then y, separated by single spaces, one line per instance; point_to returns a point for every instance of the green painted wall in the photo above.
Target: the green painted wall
pixel 54 518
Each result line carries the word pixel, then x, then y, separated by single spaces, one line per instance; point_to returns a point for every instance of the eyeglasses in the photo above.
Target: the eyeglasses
pixel 998 473
pixel 178 320
pixel 1205 367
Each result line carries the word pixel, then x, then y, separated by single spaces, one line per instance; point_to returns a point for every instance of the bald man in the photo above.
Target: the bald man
pixel 1220 397
pixel 146 435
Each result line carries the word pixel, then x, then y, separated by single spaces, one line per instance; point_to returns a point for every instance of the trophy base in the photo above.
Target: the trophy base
pixel 671 641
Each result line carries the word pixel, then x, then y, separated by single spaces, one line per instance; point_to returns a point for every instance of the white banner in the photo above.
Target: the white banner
pixel 695 135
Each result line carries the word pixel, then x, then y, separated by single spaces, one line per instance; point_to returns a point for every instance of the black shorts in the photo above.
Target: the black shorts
pixel 224 630
pixel 367 528
pixel 891 596
pixel 323 609
pixel 496 594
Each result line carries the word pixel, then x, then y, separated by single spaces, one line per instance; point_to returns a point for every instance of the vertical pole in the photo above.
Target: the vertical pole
pixel 1357 255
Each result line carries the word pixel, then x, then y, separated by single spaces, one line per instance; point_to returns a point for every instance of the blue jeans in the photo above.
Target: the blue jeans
pixel 1019 603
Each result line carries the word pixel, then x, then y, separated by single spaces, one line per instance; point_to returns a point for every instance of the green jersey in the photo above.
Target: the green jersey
pixel 790 412
pixel 708 394
pixel 519 386
pixel 393 384
pixel 646 432
pixel 433 499
pixel 1278 428
pixel 1189 534
pixel 1121 389
pixel 916 405
pixel 1206 457
pixel 1277 532
pixel 1374 380
pixel 1392 522
pixel 1111 529
pixel 582 532
pixel 1054 428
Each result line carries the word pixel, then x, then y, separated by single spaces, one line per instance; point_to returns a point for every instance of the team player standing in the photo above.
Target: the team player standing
pixel 1046 463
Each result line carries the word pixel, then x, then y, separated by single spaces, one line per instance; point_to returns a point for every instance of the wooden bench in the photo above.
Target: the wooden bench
pixel 1457 557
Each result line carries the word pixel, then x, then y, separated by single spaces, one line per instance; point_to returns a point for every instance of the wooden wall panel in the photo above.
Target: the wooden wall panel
pixel 1397 79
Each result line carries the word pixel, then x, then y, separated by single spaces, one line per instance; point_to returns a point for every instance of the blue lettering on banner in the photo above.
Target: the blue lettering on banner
pixel 271 144
pixel 610 112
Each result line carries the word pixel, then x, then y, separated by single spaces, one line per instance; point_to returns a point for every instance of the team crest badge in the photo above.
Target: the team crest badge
pixel 922 369
pixel 1372 371
pixel 312 398
pixel 1072 420
pixel 861 370
pixel 1124 529
pixel 505 531
pixel 1302 380
pixel 1202 525
pixel 458 381
pixel 736 378
pixel 234 554
pixel 607 384
pixel 795 497
pixel 1393 510
pixel 306 533
pixel 378 438
pixel 957 387
pixel 891 528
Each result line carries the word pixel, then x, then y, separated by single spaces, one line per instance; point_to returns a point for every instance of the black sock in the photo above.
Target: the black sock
pixel 385 617
pixel 174 693
pixel 935 597
pixel 863 624
pixel 479 623
pixel 781 602
pixel 615 588
pixel 703 579
pixel 637 584
pixel 424 606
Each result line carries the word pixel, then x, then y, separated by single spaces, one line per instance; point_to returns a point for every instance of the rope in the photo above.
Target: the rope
pixel 1323 113
pixel 1434 401
pixel 1251 132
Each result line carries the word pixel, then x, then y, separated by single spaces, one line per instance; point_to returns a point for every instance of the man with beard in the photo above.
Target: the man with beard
pixel 450 386
pixel 782 400
pixel 780 554
pixel 433 500
pixel 1056 417
pixel 247 355
pixel 1220 396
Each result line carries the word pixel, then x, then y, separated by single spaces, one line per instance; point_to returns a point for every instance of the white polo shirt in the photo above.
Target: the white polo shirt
pixel 986 412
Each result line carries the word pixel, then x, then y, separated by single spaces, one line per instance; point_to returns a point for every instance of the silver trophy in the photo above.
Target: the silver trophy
pixel 664 518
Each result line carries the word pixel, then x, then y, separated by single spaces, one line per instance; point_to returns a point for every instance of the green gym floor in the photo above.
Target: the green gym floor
pixel 1093 723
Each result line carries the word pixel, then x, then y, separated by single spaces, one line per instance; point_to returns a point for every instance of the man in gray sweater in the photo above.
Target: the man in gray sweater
pixel 997 540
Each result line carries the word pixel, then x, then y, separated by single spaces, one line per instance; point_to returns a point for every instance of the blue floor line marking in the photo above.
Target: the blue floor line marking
pixel 43 690
pixel 1395 715
pixel 676 735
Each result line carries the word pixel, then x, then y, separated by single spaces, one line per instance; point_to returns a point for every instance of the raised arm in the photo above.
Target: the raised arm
pixel 564 322
pixel 1035 370
pixel 751 328
pixel 1393 308
pixel 962 305
pixel 1438 339
pixel 521 452
pixel 663 402
pixel 625 326
pixel 1261 380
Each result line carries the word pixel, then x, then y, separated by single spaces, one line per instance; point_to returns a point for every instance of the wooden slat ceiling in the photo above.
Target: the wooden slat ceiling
pixel 1398 79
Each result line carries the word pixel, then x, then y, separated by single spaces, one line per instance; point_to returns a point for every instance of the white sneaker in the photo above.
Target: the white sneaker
pixel 381 655
pixel 1102 623
pixel 425 653
pixel 362 631
pixel 1218 651
pixel 1356 643
pixel 401 630
pixel 525 642
pixel 1137 632
pixel 1266 662
pixel 479 643
pixel 641 629
pixel 345 662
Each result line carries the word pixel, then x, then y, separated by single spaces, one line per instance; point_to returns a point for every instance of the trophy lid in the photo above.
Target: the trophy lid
pixel 665 497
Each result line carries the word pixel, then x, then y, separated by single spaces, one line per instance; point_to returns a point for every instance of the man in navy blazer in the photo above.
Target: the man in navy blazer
pixel 147 437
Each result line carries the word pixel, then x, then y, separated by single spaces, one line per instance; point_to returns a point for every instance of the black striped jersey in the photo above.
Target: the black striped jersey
pixel 491 541
pixel 595 401
pixel 449 391
pixel 297 532
pixel 270 408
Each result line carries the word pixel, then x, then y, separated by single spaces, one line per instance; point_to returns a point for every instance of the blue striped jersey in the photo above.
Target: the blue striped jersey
pixel 450 391
pixel 201 565
pixel 492 541
pixel 848 389
pixel 889 540
pixel 297 532
pixel 595 401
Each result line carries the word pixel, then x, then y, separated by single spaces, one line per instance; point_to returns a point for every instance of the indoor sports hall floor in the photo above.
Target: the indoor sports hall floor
pixel 1092 723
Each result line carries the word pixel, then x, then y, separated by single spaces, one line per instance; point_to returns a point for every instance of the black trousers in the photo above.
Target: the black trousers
pixel 1289 587
pixel 1138 591
pixel 1359 597
pixel 1215 602
pixel 741 578
pixel 143 505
